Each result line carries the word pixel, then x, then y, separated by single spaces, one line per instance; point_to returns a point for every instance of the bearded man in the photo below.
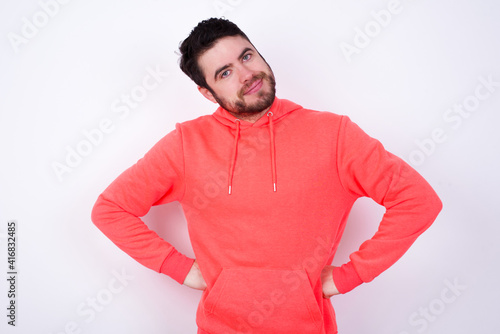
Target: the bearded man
pixel 266 187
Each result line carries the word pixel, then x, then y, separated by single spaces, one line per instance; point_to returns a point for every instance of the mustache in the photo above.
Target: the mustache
pixel 257 77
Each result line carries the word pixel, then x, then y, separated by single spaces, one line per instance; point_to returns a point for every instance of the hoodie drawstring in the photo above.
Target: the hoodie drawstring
pixel 273 156
pixel 235 152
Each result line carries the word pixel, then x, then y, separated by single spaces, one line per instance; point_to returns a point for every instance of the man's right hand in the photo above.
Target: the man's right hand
pixel 194 279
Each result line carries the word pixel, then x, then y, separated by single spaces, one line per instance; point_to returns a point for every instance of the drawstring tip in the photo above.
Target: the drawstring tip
pixel 274 184
pixel 229 190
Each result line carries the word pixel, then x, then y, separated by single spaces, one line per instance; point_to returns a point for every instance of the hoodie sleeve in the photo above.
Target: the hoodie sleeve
pixel 367 169
pixel 155 179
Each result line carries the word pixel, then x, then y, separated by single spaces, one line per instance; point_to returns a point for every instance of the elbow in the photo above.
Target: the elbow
pixel 427 206
pixel 436 204
pixel 97 214
pixel 432 206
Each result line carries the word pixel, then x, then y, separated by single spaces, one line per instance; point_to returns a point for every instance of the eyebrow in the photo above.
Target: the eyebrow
pixel 222 68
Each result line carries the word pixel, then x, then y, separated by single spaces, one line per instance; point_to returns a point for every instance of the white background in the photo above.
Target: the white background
pixel 63 78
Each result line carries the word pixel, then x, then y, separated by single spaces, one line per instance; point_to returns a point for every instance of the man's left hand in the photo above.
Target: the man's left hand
pixel 329 288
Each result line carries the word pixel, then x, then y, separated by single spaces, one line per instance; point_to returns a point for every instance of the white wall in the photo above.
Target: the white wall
pixel 68 73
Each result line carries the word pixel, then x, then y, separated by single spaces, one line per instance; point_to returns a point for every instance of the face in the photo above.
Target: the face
pixel 240 80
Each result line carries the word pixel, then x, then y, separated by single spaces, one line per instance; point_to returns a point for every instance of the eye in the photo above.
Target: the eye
pixel 247 57
pixel 225 74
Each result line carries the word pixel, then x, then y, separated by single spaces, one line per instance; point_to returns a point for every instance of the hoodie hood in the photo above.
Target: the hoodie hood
pixel 280 108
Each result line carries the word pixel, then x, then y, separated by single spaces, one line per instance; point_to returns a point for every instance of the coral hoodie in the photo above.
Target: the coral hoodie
pixel 266 204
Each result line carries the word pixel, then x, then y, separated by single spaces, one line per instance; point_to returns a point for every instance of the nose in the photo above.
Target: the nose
pixel 245 74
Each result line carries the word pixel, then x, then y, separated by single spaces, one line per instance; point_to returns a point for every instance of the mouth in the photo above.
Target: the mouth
pixel 254 88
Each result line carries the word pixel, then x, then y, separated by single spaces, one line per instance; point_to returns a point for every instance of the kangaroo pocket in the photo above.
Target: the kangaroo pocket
pixel 254 300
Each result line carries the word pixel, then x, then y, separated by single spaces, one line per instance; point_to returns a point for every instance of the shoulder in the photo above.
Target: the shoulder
pixel 320 118
pixel 198 122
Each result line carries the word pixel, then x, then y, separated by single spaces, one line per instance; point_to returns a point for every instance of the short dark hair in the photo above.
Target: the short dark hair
pixel 202 38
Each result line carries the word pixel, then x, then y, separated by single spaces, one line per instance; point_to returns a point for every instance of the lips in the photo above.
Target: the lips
pixel 255 87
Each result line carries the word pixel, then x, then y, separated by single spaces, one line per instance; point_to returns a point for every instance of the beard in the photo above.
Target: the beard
pixel 240 106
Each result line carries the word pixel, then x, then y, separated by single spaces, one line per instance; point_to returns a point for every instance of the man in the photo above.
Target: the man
pixel 266 187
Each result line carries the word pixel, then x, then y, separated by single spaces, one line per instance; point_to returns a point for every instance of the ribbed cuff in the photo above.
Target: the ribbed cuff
pixel 346 278
pixel 177 266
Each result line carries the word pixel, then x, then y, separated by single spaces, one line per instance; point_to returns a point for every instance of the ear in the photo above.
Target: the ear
pixel 208 94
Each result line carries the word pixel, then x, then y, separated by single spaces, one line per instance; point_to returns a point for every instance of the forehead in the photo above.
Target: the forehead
pixel 225 51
